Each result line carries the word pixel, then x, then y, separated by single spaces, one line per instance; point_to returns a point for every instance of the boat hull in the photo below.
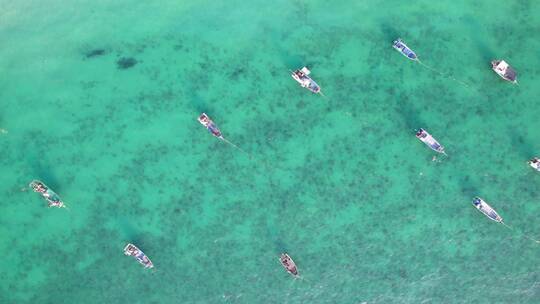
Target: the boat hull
pixel 305 81
pixel 401 47
pixel 53 199
pixel 504 70
pixel 430 141
pixel 210 125
pixel 135 252
pixel 487 210
pixel 288 263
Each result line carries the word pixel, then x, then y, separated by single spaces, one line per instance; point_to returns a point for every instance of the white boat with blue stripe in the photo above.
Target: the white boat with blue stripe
pixel 401 47
pixel 486 209
pixel 430 141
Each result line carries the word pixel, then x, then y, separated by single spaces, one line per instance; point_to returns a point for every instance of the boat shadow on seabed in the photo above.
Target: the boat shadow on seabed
pixel 409 114
pixel 522 146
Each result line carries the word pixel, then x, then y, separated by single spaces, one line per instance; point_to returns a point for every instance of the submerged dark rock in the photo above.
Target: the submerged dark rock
pixel 95 53
pixel 126 63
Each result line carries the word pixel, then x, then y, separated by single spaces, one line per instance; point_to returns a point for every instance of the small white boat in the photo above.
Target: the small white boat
pixel 535 163
pixel 401 47
pixel 288 264
pixel 431 142
pixel 135 252
pixel 486 209
pixel 210 125
pixel 53 200
pixel 504 70
pixel 302 77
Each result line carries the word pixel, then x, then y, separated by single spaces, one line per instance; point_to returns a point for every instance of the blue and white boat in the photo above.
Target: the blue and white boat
pixel 431 142
pixel 135 252
pixel 486 209
pixel 401 47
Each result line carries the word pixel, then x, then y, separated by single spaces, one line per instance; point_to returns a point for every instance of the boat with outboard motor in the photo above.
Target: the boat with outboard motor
pixel 135 252
pixel 53 200
pixel 503 69
pixel 430 141
pixel 487 210
pixel 535 163
pixel 288 264
pixel 302 77
pixel 401 47
pixel 210 125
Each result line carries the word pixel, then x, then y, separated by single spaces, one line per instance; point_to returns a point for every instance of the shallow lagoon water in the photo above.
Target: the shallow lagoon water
pixel 100 102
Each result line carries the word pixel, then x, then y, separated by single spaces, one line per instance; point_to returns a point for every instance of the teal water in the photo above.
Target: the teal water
pixel 100 99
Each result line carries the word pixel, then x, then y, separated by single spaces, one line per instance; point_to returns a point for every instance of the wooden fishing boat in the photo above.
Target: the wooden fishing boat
pixel 288 264
pixel 401 47
pixel 487 210
pixel 504 70
pixel 135 252
pixel 430 141
pixel 535 163
pixel 302 77
pixel 53 200
pixel 210 125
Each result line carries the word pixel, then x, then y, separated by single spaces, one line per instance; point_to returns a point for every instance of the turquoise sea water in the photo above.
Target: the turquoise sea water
pixel 99 100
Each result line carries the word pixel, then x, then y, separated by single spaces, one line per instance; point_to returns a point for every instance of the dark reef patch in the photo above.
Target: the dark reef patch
pixel 126 63
pixel 95 53
pixel 522 145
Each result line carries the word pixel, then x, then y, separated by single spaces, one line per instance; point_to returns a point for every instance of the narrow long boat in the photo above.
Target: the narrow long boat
pixel 210 125
pixel 135 252
pixel 302 77
pixel 53 200
pixel 401 47
pixel 486 209
pixel 430 141
pixel 288 264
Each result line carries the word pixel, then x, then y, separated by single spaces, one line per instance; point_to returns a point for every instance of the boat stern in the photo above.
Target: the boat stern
pixel 204 119
pixel 477 202
pixel 535 163
pixel 397 44
pixel 420 133
pixel 129 249
pixel 314 87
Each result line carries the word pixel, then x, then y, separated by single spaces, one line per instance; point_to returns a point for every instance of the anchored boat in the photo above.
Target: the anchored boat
pixel 431 142
pixel 486 209
pixel 504 70
pixel 401 47
pixel 135 252
pixel 210 125
pixel 302 77
pixel 53 200
pixel 289 264
pixel 535 163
